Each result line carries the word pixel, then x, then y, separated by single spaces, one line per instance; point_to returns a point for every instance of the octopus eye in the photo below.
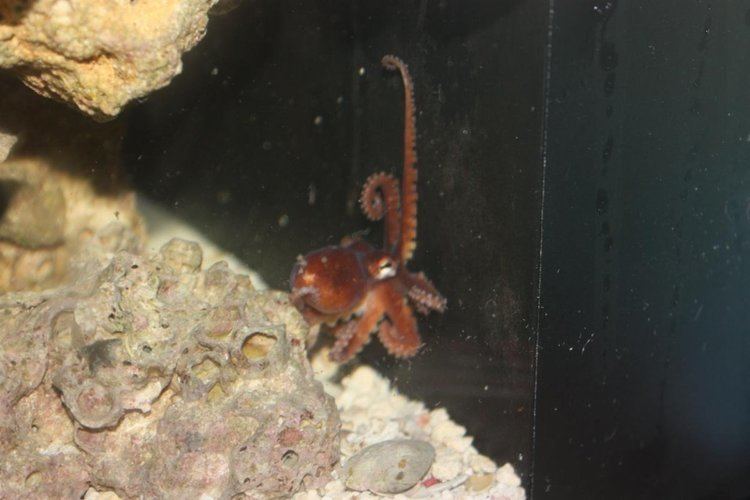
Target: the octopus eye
pixel 386 269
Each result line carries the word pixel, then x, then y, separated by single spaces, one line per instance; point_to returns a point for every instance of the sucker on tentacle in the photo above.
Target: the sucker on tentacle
pixel 424 293
pixel 389 338
pixel 357 289
pixel 344 334
pixel 427 301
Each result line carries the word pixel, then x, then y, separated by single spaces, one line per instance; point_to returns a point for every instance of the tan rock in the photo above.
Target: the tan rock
pixel 479 482
pixel 99 54
pixel 48 216
pixel 6 144
pixel 59 185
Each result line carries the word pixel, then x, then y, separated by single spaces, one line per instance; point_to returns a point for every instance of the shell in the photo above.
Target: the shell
pixel 389 467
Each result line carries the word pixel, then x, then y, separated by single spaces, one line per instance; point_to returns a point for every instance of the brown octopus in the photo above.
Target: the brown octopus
pixel 357 289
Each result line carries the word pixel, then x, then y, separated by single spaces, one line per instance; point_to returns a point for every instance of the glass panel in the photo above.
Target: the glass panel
pixel 643 377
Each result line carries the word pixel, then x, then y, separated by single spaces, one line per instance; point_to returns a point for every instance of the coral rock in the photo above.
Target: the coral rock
pixel 149 377
pixel 98 54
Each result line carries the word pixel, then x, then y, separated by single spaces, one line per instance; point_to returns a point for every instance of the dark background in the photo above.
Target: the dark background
pixel 597 336
pixel 644 366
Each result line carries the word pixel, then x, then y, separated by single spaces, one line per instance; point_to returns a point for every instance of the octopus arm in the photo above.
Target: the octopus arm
pixel 409 197
pixel 380 199
pixel 424 294
pixel 354 334
pixel 398 332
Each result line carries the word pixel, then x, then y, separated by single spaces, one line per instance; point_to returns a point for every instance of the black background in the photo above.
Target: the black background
pixel 631 119
pixel 644 371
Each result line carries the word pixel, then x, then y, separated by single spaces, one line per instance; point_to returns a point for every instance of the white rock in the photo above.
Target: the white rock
pixel 459 444
pixel 438 415
pixel 507 475
pixel 448 464
pixel 480 463
pixel 92 494
pixel 447 430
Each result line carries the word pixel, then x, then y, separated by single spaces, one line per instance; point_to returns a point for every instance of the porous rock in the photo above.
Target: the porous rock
pixel 98 54
pixel 149 377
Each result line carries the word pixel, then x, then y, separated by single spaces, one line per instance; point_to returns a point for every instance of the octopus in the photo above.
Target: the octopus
pixel 357 289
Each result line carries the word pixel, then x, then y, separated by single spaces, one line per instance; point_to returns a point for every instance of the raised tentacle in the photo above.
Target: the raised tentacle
pixel 409 197
pixel 423 293
pixel 353 335
pixel 379 199
pixel 398 333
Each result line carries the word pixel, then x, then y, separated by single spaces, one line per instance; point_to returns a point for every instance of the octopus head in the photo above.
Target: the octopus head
pixel 381 265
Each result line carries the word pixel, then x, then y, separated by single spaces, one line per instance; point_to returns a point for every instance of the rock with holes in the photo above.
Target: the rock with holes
pixel 148 376
pixel 389 467
pixel 99 55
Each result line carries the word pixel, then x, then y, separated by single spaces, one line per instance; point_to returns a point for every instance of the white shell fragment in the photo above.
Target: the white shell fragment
pixel 389 467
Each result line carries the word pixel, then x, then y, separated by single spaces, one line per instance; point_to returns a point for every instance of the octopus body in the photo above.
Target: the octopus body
pixel 357 289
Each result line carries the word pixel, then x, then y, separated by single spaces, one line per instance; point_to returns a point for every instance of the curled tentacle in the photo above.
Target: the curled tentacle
pixel 408 241
pixel 380 199
pixel 423 293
